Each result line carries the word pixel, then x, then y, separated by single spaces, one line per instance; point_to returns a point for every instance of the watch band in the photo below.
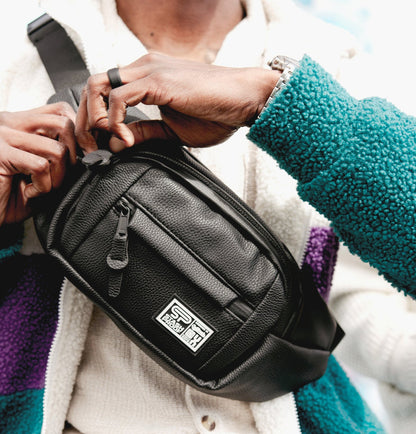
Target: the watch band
pixel 286 65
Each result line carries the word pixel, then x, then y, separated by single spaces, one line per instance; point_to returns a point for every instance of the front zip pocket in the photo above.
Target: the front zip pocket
pixel 118 257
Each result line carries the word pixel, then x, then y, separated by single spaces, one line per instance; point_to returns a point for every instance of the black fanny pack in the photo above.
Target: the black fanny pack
pixel 187 271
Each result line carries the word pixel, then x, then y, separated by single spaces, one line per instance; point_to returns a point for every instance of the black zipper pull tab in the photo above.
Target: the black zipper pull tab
pixel 100 157
pixel 118 258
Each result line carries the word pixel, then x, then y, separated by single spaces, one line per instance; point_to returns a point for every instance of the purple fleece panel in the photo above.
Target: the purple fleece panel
pixel 320 258
pixel 29 294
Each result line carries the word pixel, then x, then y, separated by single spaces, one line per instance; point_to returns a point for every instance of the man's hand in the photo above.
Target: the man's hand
pixel 200 104
pixel 34 149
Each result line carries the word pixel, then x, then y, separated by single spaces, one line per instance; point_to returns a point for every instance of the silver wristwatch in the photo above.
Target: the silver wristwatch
pixel 286 65
pixel 282 63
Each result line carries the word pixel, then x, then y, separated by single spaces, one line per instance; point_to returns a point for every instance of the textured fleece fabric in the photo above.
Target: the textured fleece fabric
pixel 355 161
pixel 332 405
pixel 21 412
pixel 321 257
pixel 28 312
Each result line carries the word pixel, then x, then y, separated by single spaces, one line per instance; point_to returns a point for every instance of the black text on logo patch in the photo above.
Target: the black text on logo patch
pixel 184 325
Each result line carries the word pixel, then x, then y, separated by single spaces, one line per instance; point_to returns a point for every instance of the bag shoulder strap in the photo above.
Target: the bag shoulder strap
pixel 64 64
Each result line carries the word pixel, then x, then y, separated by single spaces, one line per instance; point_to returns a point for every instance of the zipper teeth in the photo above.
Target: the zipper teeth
pixel 51 352
pixel 297 415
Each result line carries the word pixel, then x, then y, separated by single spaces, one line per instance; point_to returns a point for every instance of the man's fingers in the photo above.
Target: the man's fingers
pixel 65 127
pixel 59 108
pixel 35 143
pixel 83 133
pixel 52 151
pixel 142 131
pixel 104 108
pixel 67 139
pixel 55 121
pixel 130 95
pixel 98 88
pixel 58 128
pixel 16 161
pixel 16 207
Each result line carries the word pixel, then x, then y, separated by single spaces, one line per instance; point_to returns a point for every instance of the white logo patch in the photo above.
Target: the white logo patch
pixel 184 325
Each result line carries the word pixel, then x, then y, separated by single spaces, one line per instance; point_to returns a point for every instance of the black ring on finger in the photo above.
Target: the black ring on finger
pixel 114 78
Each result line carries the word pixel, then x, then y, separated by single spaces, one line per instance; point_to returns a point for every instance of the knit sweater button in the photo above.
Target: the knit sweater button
pixel 208 423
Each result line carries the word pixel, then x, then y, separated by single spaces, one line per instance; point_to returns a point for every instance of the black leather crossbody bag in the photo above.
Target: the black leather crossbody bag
pixel 186 269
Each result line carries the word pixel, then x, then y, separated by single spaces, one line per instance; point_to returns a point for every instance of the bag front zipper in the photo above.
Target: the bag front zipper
pixel 118 257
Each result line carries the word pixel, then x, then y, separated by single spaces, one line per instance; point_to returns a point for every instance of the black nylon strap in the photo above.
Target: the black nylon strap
pixel 64 64
pixel 61 58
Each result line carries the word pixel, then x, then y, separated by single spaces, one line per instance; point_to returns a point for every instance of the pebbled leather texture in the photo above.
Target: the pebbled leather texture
pixel 190 274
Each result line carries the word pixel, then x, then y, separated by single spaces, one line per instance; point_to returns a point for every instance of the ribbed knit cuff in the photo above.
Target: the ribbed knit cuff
pixel 11 238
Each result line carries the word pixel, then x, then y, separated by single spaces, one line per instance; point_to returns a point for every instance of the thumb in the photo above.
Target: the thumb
pixel 143 131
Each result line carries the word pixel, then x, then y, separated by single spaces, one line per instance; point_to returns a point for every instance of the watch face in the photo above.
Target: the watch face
pixel 281 62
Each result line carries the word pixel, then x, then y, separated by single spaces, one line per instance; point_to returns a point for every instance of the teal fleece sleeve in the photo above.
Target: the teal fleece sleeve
pixel 331 404
pixel 355 161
